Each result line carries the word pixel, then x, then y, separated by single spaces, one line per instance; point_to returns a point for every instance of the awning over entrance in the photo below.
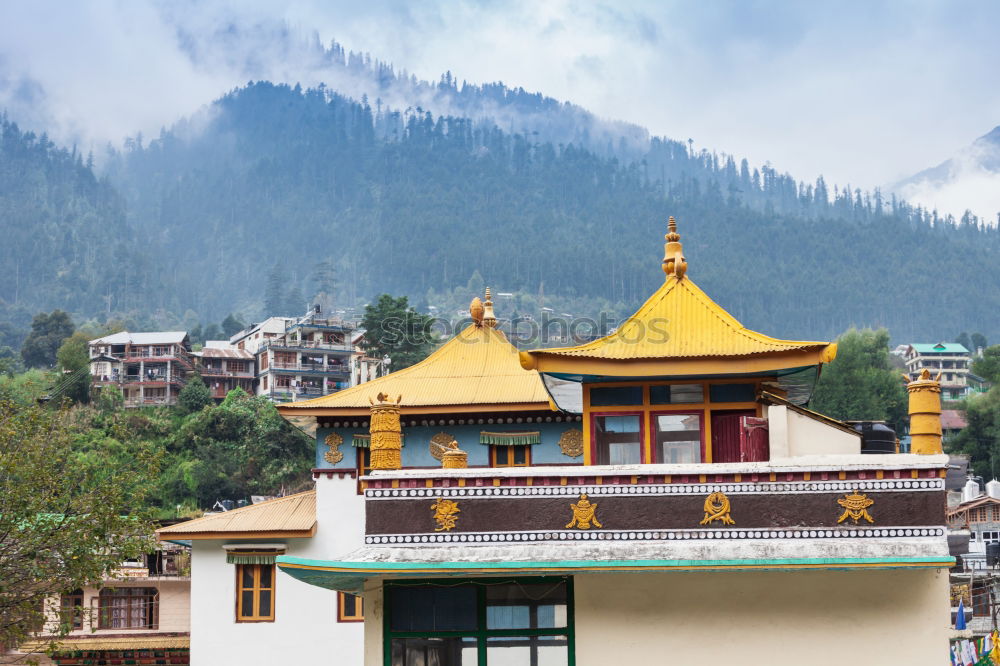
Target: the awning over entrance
pixel 409 562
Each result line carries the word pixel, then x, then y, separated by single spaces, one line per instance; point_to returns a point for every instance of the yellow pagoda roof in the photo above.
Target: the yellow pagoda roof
pixel 477 370
pixel 679 330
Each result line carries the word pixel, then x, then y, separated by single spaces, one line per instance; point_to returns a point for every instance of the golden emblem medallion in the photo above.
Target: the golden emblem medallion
pixel 717 508
pixel 855 507
pixel 571 443
pixel 584 513
pixel 445 514
pixel 334 455
pixel 440 444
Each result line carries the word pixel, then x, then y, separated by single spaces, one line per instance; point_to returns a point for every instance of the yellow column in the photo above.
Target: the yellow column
pixel 925 414
pixel 386 434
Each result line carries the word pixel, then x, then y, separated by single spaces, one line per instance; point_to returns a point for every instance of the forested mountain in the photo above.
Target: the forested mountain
pixel 273 180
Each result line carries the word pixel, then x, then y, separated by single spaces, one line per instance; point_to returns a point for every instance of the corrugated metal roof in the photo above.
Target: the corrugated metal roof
pixel 939 348
pixel 952 419
pixel 80 643
pixel 680 321
pixel 150 338
pixel 215 352
pixel 476 367
pixel 294 515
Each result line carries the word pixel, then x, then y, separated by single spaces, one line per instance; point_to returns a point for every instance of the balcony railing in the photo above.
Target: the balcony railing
pixel 311 367
pixel 304 344
pixel 217 372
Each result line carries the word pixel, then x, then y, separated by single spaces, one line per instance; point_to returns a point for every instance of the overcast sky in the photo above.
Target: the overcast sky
pixel 863 92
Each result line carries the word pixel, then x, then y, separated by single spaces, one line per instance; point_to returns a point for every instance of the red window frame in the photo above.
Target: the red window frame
pixel 654 447
pixel 642 433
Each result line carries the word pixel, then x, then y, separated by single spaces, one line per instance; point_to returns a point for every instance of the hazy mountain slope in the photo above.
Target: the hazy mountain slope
pixel 276 177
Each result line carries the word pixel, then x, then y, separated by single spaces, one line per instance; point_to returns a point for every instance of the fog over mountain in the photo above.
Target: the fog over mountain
pixel 969 180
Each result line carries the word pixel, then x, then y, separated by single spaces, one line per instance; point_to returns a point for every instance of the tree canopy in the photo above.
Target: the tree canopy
pixel 48 331
pixel 395 330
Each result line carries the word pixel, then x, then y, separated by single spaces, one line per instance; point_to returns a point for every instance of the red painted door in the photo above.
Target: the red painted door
pixel 726 429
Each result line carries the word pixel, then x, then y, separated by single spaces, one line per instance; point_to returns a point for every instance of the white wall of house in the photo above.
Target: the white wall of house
pixel 793 434
pixel 305 629
pixel 825 618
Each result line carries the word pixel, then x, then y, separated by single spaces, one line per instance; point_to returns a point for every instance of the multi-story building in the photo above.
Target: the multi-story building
pixel 224 368
pixel 140 614
pixel 299 358
pixel 149 368
pixel 660 493
pixel 949 358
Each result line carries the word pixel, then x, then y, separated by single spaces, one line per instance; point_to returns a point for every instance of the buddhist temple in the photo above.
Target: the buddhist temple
pixel 659 495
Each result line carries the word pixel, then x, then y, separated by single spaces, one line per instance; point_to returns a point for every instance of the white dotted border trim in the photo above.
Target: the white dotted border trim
pixel 653 535
pixel 617 490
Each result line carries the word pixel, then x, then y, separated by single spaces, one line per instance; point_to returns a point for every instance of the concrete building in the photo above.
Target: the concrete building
pixel 140 614
pixel 149 368
pixel 950 359
pixel 299 358
pixel 662 492
pixel 224 368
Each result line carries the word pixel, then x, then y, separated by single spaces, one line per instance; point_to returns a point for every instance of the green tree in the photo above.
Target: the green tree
pixel 978 341
pixel 231 326
pixel 48 331
pixel 211 332
pixel 987 366
pixel 194 396
pixel 295 303
pixel 860 383
pixel 964 340
pixel 324 282
pixel 66 519
pixel 980 439
pixel 394 329
pixel 73 360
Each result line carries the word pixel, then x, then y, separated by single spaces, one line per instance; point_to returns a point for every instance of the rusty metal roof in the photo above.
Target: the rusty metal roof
pixel 476 367
pixel 217 352
pixel 291 516
pixel 80 643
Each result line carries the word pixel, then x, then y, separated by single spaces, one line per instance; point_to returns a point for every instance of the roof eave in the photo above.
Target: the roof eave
pixel 292 410
pixel 546 362
pixel 272 534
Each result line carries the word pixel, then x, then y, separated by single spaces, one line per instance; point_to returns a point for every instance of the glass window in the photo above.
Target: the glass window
pixel 676 394
pixel 618 439
pixel 255 592
pixel 71 610
pixel 511 456
pixel 473 623
pixel 615 396
pixel 128 608
pixel 732 393
pixel 678 438
pixel 350 608
pixel 534 650
pixel 433 608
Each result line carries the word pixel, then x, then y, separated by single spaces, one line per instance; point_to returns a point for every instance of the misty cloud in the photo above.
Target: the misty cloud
pixel 865 93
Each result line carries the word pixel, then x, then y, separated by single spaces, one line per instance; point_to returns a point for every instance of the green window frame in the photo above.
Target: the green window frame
pixel 481 633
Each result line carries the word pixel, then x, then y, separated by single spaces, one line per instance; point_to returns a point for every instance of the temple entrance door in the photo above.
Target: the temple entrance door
pixel 726 435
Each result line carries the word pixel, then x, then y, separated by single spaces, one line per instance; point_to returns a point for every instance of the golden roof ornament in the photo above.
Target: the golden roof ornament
pixel 674 262
pixel 476 311
pixel 489 319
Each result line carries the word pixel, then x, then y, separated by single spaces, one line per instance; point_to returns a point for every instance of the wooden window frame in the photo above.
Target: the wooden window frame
pixel 342 615
pixel 71 610
pixel 508 451
pixel 152 614
pixel 256 589
pixel 654 453
pixel 706 407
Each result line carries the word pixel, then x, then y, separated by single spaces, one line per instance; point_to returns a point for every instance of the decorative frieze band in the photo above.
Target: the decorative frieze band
pixel 655 535
pixel 673 489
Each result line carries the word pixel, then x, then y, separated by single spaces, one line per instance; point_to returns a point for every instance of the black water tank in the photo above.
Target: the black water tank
pixel 992 554
pixel 876 436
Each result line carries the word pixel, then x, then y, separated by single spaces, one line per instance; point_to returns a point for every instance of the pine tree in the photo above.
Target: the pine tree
pixel 274 302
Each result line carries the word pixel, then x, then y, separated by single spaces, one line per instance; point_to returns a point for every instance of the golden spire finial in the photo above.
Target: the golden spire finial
pixel 489 319
pixel 476 310
pixel 674 262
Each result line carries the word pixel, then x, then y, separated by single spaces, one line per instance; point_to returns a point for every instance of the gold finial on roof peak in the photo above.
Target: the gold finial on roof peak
pixel 489 319
pixel 476 309
pixel 674 262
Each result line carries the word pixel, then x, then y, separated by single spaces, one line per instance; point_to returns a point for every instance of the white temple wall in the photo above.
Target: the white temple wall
pixel 792 434
pixel 822 618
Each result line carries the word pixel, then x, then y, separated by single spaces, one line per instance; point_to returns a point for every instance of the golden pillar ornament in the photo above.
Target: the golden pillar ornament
pixel 454 459
pixel 386 433
pixel 925 413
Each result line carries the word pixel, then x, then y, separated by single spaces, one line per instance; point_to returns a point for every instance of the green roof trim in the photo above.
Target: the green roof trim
pixel 349 576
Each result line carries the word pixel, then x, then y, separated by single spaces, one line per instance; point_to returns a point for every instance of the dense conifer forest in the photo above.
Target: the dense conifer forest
pixel 276 186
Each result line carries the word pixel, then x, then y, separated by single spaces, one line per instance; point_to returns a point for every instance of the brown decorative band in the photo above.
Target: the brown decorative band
pixel 657 512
